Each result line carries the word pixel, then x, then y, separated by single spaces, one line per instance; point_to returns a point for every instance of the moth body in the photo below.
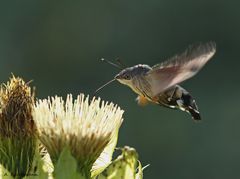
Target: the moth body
pixel 160 84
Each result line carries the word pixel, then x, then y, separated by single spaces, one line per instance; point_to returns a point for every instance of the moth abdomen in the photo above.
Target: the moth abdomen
pixel 179 98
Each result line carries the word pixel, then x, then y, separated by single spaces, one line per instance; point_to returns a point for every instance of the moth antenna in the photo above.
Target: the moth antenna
pixel 101 87
pixel 120 63
pixel 111 63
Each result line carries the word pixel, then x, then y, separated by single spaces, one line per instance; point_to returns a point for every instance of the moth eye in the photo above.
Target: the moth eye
pixel 127 77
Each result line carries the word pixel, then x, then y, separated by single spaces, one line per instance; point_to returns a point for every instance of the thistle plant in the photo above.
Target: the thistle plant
pixel 77 137
pixel 84 127
pixel 17 129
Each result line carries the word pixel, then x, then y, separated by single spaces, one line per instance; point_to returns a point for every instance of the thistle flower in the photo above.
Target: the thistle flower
pixel 17 129
pixel 84 126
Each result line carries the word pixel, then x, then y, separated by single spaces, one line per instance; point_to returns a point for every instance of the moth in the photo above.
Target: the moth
pixel 159 84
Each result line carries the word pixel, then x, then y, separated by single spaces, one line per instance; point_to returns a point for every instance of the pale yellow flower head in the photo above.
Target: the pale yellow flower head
pixel 84 126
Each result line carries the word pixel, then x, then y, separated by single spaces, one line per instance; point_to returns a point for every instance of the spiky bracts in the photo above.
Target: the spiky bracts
pixel 17 128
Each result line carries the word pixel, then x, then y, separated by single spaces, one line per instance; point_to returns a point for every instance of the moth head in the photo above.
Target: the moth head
pixel 125 76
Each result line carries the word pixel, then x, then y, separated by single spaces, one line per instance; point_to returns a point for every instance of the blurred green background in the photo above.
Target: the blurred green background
pixel 58 44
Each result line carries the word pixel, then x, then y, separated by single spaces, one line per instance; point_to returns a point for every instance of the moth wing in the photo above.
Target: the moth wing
pixel 180 67
pixel 142 101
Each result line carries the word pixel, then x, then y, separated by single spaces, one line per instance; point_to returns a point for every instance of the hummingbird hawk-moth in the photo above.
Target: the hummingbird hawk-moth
pixel 160 84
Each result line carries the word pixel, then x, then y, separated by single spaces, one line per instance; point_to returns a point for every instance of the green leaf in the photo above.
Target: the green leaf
pixel 66 167
pixel 123 167
pixel 4 173
pixel 105 157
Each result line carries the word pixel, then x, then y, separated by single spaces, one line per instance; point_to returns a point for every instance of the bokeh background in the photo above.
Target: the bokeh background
pixel 58 44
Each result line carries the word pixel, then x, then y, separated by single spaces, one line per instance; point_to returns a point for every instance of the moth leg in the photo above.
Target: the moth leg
pixel 142 101
pixel 162 100
pixel 171 96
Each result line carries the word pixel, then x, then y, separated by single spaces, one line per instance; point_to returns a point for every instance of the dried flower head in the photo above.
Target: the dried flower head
pixel 84 126
pixel 16 102
pixel 17 129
